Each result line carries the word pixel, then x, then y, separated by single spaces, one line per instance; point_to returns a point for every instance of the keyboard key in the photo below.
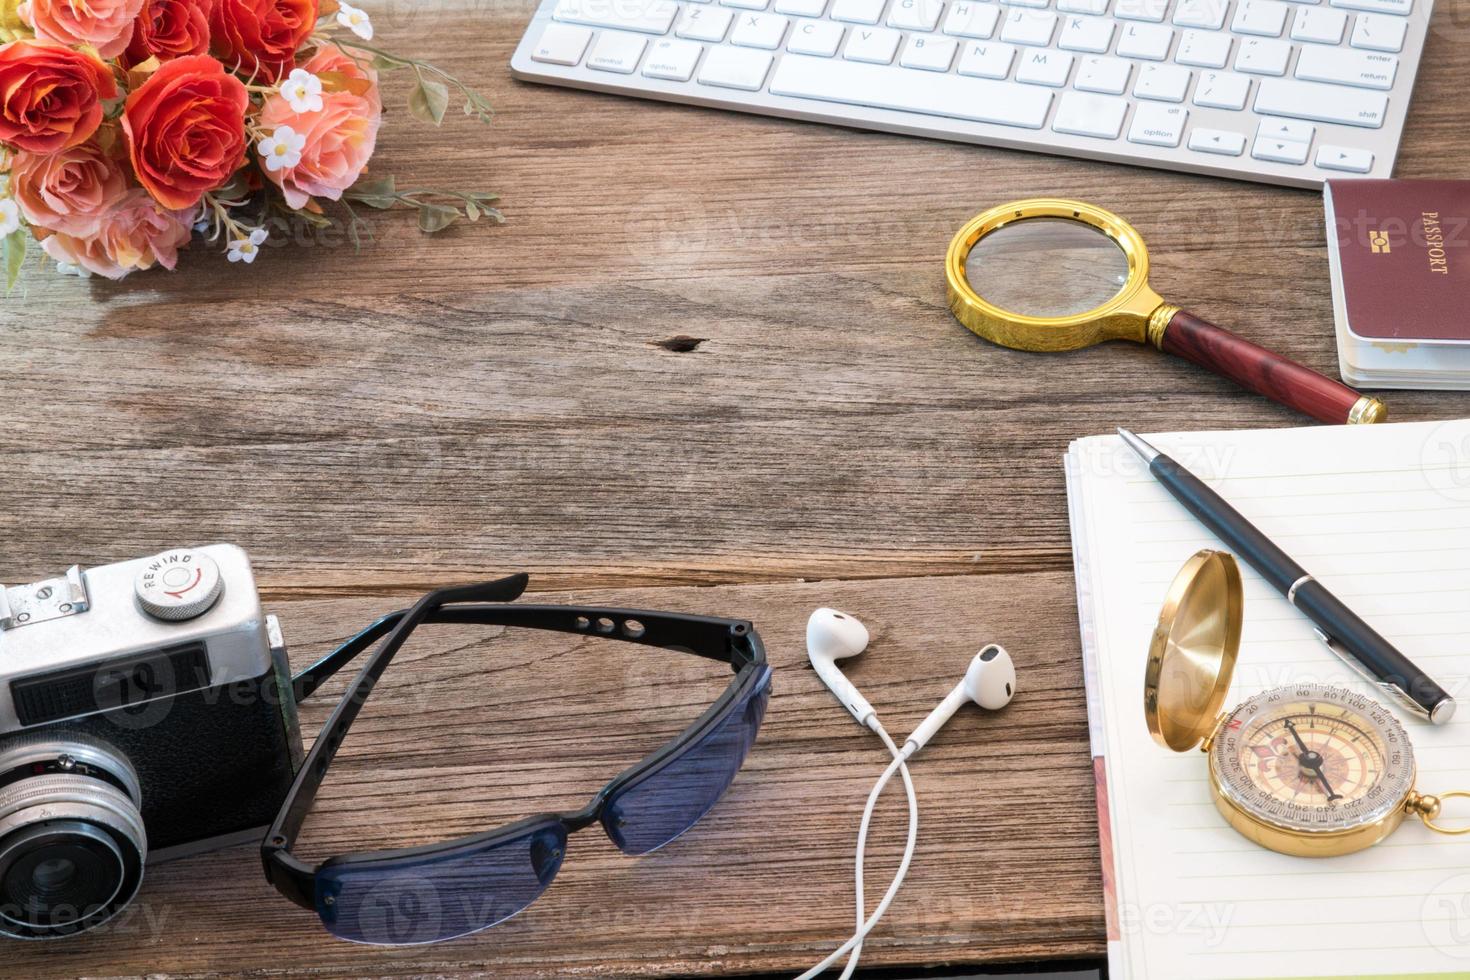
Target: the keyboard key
pixel 1280 151
pixel 928 52
pixel 1209 14
pixel 875 45
pixel 759 31
pixel 745 4
pixel 1204 49
pixel 801 8
pixel 988 60
pixel 1321 103
pixel 1346 67
pixel 704 23
pixel 1401 7
pixel 671 59
pixel 1026 3
pixel 1044 68
pixel 1093 34
pixel 740 68
pixel 561 44
pixel 1158 125
pixel 816 37
pixel 1147 10
pixel 1162 83
pixel 1222 90
pixel 915 15
pixel 1093 7
pixel 616 52
pixel 1081 114
pixel 1375 32
pixel 1220 141
pixel 1286 129
pixel 1106 75
pixel 1266 18
pixel 1343 158
pixel 974 99
pixel 975 20
pixel 1148 41
pixel 1029 27
pixel 857 11
pixel 644 16
pixel 1263 18
pixel 1319 25
pixel 1262 57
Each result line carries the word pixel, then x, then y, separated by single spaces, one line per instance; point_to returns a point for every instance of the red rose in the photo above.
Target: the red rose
pixel 259 38
pixel 168 29
pixel 50 95
pixel 185 128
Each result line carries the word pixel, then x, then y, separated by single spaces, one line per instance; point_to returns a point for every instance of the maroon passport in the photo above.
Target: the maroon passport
pixel 1404 246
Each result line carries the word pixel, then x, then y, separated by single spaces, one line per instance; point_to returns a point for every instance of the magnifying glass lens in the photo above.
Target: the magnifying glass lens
pixel 1046 267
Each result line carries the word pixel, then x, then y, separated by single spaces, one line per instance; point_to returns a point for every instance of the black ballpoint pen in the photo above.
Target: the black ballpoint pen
pixel 1341 629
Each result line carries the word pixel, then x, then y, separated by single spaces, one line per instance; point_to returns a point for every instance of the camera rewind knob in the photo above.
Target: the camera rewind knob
pixel 178 585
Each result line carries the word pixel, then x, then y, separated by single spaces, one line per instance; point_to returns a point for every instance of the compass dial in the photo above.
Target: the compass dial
pixel 1313 758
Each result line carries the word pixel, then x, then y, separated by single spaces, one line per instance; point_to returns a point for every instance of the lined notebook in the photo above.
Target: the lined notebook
pixel 1381 515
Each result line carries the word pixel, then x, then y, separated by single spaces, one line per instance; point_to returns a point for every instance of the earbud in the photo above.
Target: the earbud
pixel 832 636
pixel 990 682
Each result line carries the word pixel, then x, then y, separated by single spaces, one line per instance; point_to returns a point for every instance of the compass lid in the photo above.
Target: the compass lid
pixel 1193 651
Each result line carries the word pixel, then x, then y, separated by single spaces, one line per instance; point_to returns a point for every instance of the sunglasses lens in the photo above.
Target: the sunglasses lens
pixel 404 901
pixel 652 812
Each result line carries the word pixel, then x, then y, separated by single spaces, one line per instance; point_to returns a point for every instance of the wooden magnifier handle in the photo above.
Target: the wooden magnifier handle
pixel 1260 370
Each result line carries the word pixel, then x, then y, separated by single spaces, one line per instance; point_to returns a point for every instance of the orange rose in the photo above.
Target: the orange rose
pixel 169 29
pixel 134 235
pixel 106 25
pixel 185 128
pixel 340 136
pixel 67 191
pixel 50 96
pixel 259 38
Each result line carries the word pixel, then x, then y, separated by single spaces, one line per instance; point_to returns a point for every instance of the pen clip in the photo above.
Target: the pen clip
pixel 1394 692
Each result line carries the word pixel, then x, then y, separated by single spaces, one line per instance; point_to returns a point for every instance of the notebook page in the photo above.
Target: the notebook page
pixel 1381 515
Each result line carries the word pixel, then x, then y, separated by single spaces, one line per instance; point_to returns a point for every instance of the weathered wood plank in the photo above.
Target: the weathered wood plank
pixel 473 728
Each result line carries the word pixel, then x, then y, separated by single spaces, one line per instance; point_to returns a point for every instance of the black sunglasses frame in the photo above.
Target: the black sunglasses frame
pixel 730 641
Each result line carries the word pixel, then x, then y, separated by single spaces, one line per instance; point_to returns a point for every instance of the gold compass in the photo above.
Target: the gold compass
pixel 1306 769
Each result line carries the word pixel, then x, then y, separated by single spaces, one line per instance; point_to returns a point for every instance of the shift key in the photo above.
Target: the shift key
pixel 644 16
pixel 1321 103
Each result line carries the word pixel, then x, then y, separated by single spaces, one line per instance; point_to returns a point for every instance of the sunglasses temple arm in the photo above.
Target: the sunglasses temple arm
pixel 314 768
pixel 304 684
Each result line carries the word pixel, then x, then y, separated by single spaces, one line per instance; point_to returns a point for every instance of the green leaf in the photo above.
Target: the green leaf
pixel 13 256
pixel 383 62
pixel 471 211
pixel 429 100
pixel 436 217
pixel 381 194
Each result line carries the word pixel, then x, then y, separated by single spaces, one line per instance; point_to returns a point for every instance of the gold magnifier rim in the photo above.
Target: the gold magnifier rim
pixel 1125 316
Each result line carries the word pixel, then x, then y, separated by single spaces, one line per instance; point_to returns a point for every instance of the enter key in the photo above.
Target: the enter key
pixel 1363 69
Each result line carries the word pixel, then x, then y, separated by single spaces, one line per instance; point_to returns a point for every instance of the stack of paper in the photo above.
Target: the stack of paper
pixel 1381 515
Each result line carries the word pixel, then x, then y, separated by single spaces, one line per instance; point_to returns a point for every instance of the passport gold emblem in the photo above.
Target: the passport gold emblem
pixel 1379 242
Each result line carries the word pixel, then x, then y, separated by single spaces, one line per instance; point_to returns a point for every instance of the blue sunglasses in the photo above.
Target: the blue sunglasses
pixel 442 891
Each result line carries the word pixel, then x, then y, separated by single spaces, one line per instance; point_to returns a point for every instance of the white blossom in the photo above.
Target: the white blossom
pixel 246 249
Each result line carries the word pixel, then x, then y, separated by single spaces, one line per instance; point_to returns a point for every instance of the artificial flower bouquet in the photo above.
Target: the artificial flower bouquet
pixel 126 126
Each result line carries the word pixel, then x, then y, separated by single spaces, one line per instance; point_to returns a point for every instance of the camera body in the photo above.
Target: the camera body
pixel 146 712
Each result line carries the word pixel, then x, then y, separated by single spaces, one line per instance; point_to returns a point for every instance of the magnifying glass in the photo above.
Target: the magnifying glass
pixel 1054 275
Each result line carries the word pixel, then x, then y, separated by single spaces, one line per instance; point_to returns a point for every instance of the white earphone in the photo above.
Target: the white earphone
pixel 989 681
pixel 832 636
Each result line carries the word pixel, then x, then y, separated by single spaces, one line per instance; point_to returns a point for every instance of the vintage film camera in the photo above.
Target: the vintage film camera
pixel 145 713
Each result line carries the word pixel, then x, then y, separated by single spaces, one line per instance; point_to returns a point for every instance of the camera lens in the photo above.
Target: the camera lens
pixel 72 842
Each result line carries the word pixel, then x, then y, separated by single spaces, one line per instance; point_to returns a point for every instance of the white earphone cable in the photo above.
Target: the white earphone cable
pixel 854 945
pixel 908 785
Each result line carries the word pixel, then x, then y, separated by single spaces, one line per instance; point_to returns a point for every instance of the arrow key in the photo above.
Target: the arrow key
pixel 1286 130
pixel 1279 151
pixel 1221 141
pixel 1345 159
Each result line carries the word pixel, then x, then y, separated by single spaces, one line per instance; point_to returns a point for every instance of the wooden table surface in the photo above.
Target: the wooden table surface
pixel 707 366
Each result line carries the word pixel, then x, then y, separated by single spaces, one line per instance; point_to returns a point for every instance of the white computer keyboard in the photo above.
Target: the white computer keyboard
pixel 1281 92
